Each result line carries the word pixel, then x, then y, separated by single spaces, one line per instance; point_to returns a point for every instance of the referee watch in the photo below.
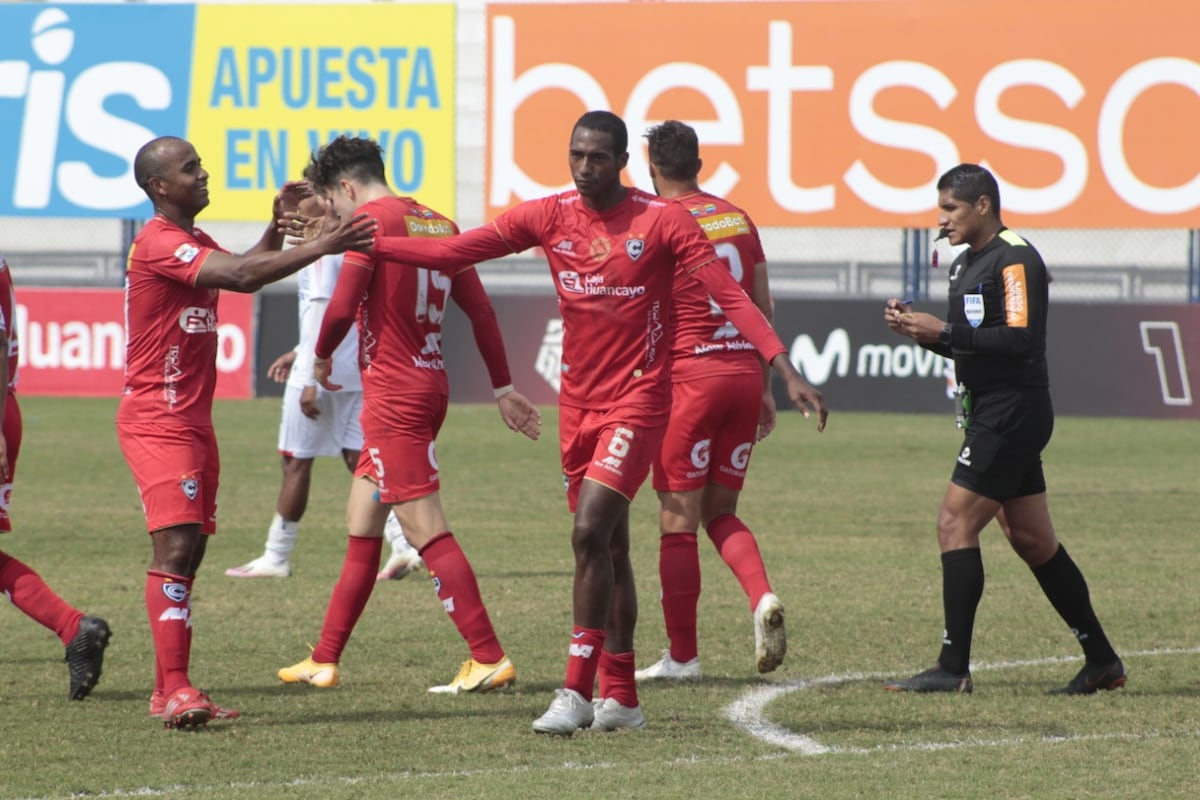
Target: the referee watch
pixel 944 336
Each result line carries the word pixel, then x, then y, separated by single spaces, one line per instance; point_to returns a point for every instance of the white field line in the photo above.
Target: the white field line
pixel 748 712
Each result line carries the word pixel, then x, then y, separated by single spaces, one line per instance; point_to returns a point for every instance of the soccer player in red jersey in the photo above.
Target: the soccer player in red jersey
pixel 164 421
pixel 84 637
pixel 405 398
pixel 722 404
pixel 617 255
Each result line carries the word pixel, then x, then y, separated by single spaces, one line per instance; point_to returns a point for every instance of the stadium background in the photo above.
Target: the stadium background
pixel 829 121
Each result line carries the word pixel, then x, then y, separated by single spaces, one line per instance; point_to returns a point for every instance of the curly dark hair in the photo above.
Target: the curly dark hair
pixel 356 158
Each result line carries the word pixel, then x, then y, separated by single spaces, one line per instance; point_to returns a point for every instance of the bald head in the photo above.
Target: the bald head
pixel 152 158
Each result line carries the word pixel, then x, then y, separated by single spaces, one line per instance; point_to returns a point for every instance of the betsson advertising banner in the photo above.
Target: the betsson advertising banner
pixel 72 342
pixel 833 113
pixel 255 88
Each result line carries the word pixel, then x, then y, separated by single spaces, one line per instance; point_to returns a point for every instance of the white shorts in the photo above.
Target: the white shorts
pixel 335 430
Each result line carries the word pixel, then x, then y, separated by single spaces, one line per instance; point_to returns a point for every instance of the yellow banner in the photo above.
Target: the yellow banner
pixel 272 83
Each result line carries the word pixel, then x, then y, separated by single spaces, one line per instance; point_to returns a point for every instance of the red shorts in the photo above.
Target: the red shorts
pixel 614 448
pixel 398 445
pixel 12 446
pixel 713 424
pixel 177 470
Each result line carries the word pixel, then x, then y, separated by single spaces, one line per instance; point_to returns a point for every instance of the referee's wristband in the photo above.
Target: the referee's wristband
pixel 502 390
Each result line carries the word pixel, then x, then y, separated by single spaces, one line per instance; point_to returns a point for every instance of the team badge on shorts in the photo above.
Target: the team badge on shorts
pixel 634 248
pixel 190 487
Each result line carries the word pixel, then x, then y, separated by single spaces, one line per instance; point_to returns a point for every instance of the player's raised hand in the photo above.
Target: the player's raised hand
pixel 290 195
pixel 336 235
pixel 520 415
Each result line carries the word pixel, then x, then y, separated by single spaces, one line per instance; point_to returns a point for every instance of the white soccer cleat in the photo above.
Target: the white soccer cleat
pixel 261 568
pixel 567 713
pixel 401 563
pixel 609 715
pixel 770 640
pixel 668 668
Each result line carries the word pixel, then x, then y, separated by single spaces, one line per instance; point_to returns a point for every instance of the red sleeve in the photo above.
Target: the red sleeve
pixel 449 254
pixel 351 285
pixel 467 290
pixel 740 309
pixel 177 255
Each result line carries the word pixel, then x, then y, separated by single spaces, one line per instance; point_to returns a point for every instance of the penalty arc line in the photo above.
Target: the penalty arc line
pixel 749 711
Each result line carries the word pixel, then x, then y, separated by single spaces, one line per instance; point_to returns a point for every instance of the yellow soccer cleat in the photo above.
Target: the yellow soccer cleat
pixel 476 677
pixel 312 673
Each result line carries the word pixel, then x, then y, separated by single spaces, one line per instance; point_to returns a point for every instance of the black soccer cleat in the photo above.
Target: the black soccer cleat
pixel 1094 677
pixel 85 656
pixel 934 679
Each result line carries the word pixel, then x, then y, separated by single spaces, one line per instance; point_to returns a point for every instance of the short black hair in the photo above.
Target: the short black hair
pixel 356 158
pixel 148 162
pixel 674 150
pixel 970 182
pixel 606 122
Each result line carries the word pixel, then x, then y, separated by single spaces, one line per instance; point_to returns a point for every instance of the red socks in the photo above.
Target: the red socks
pixel 679 575
pixel 457 588
pixel 583 660
pixel 616 678
pixel 168 605
pixel 37 600
pixel 349 598
pixel 739 550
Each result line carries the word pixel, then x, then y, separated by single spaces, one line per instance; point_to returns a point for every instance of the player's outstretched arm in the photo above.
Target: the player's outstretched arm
pixel 448 254
pixel 252 271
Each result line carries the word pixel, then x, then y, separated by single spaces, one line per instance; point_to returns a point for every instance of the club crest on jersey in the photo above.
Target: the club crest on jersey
pixel 190 487
pixel 634 248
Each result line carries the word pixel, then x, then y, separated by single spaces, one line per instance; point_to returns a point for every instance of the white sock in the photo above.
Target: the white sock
pixel 395 534
pixel 281 538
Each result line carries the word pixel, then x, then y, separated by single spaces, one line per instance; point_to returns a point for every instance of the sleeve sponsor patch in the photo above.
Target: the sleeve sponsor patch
pixel 187 252
pixel 1016 299
pixel 723 226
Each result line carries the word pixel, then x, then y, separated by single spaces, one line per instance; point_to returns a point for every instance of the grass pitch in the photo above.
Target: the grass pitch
pixel 845 522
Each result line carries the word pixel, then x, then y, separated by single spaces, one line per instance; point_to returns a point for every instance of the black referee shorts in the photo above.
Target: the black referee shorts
pixel 1001 453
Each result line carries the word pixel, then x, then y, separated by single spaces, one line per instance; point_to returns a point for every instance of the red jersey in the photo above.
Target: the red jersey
pixel 400 311
pixel 614 271
pixel 706 342
pixel 170 328
pixel 8 321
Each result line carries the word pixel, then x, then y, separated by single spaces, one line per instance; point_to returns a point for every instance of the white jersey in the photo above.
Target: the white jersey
pixel 314 287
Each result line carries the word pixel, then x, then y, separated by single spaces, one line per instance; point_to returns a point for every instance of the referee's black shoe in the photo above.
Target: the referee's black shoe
pixel 1094 677
pixel 85 656
pixel 934 679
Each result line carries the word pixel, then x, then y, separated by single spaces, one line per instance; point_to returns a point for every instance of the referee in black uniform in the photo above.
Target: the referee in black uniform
pixel 996 335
